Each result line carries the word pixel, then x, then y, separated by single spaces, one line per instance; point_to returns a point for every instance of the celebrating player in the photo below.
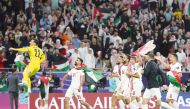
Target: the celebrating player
pixel 115 75
pixel 36 58
pixel 122 91
pixel 136 81
pixel 75 88
pixel 175 71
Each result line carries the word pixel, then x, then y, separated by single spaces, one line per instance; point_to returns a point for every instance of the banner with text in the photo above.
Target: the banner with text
pixel 97 101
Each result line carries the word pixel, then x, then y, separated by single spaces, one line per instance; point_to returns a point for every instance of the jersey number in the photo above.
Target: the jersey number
pixel 37 53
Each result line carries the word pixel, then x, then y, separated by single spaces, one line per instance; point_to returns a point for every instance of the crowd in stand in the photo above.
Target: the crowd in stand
pixel 95 30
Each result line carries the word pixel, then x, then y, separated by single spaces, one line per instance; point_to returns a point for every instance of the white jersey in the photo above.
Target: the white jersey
pixel 116 70
pixel 75 78
pixel 175 67
pixel 124 86
pixel 136 69
pixel 123 77
pixel 173 91
pixel 136 83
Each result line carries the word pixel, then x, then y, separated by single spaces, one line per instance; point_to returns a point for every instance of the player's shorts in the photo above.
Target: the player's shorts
pixel 74 92
pixel 122 91
pixel 44 92
pixel 152 93
pixel 173 92
pixel 33 68
pixel 136 88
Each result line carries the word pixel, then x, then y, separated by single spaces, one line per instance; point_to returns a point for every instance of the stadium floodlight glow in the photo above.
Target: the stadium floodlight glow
pixel 92 88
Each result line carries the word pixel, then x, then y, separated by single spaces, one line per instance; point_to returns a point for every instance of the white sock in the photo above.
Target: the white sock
pixel 46 106
pixel 29 90
pixel 41 107
pixel 145 106
pixel 175 105
pixel 133 105
pixel 166 105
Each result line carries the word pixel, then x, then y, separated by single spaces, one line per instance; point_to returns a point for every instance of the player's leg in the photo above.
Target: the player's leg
pixel 131 101
pixel 116 96
pixel 172 96
pixel 134 97
pixel 166 105
pixel 26 78
pixel 138 88
pixel 66 103
pixel 156 94
pixel 81 99
pixel 139 101
pixel 69 94
pixel 121 104
pixel 113 101
pixel 146 98
pixel 84 103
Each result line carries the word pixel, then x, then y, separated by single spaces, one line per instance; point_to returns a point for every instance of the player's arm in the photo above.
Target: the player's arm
pixel 136 75
pixel 167 66
pixel 19 49
pixel 114 75
pixel 42 58
pixel 64 79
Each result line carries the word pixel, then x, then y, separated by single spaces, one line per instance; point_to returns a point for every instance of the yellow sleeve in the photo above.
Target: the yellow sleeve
pixel 43 58
pixel 22 49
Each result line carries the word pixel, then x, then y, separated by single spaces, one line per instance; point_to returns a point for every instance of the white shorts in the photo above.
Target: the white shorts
pixel 173 92
pixel 152 93
pixel 136 88
pixel 122 91
pixel 74 92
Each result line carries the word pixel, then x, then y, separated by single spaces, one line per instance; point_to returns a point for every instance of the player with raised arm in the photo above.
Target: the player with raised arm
pixel 174 75
pixel 36 58
pixel 75 88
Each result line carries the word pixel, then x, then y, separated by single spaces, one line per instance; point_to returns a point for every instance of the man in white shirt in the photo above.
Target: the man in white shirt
pixel 75 88
pixel 180 55
pixel 83 50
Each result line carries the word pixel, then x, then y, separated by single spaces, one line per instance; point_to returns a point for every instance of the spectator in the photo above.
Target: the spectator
pixel 75 41
pixel 1 61
pixel 180 55
pixel 90 59
pixel 43 84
